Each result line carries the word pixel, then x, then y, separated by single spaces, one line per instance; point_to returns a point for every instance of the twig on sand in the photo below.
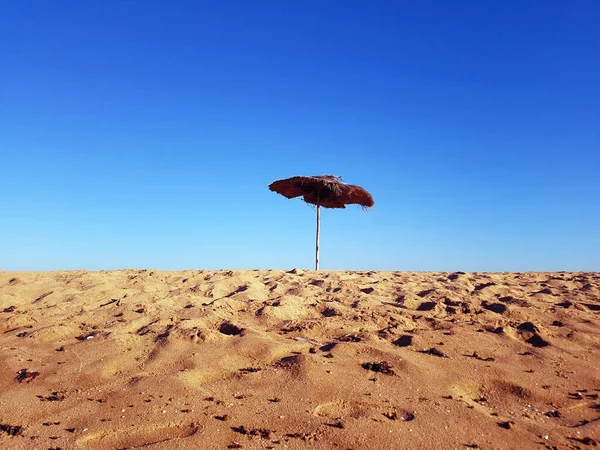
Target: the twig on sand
pixel 310 341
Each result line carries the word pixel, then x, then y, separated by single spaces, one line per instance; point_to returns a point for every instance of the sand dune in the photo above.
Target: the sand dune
pixel 270 359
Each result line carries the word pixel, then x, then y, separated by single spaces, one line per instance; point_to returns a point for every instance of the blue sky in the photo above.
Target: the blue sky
pixel 144 134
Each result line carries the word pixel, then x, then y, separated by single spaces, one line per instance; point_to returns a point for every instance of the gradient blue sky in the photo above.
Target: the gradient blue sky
pixel 144 134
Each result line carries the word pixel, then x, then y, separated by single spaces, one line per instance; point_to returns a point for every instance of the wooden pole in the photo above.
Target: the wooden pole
pixel 318 232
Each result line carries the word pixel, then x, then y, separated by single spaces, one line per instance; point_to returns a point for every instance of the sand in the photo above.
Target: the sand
pixel 301 359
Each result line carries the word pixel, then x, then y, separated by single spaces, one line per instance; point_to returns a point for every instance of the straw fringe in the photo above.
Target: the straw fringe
pixel 325 190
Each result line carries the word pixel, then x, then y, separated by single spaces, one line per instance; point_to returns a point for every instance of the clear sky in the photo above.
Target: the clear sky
pixel 144 134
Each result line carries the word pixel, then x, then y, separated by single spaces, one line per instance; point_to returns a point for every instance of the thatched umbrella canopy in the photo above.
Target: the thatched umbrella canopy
pixel 327 191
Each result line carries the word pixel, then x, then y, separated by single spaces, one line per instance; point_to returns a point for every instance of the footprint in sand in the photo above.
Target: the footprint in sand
pixel 140 437
pixel 330 312
pixel 230 329
pixel 426 306
pixel 294 364
pixel 530 333
pixel 295 291
pixel 499 308
pixel 465 395
pixel 242 288
pixel 403 341
pixel 566 304
pixel 426 292
pixel 592 306
pixel 502 389
pixel 455 275
pixel 338 409
pixel 479 287
pixel 546 291
pixel 508 299
pixel 328 347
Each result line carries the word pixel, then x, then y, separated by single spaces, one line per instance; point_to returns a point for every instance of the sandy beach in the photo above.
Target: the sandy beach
pixel 299 359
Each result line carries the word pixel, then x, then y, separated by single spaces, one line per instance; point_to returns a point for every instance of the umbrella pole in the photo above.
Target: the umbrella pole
pixel 318 233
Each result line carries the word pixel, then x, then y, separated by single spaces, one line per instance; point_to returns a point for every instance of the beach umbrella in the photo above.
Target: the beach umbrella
pixel 327 191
